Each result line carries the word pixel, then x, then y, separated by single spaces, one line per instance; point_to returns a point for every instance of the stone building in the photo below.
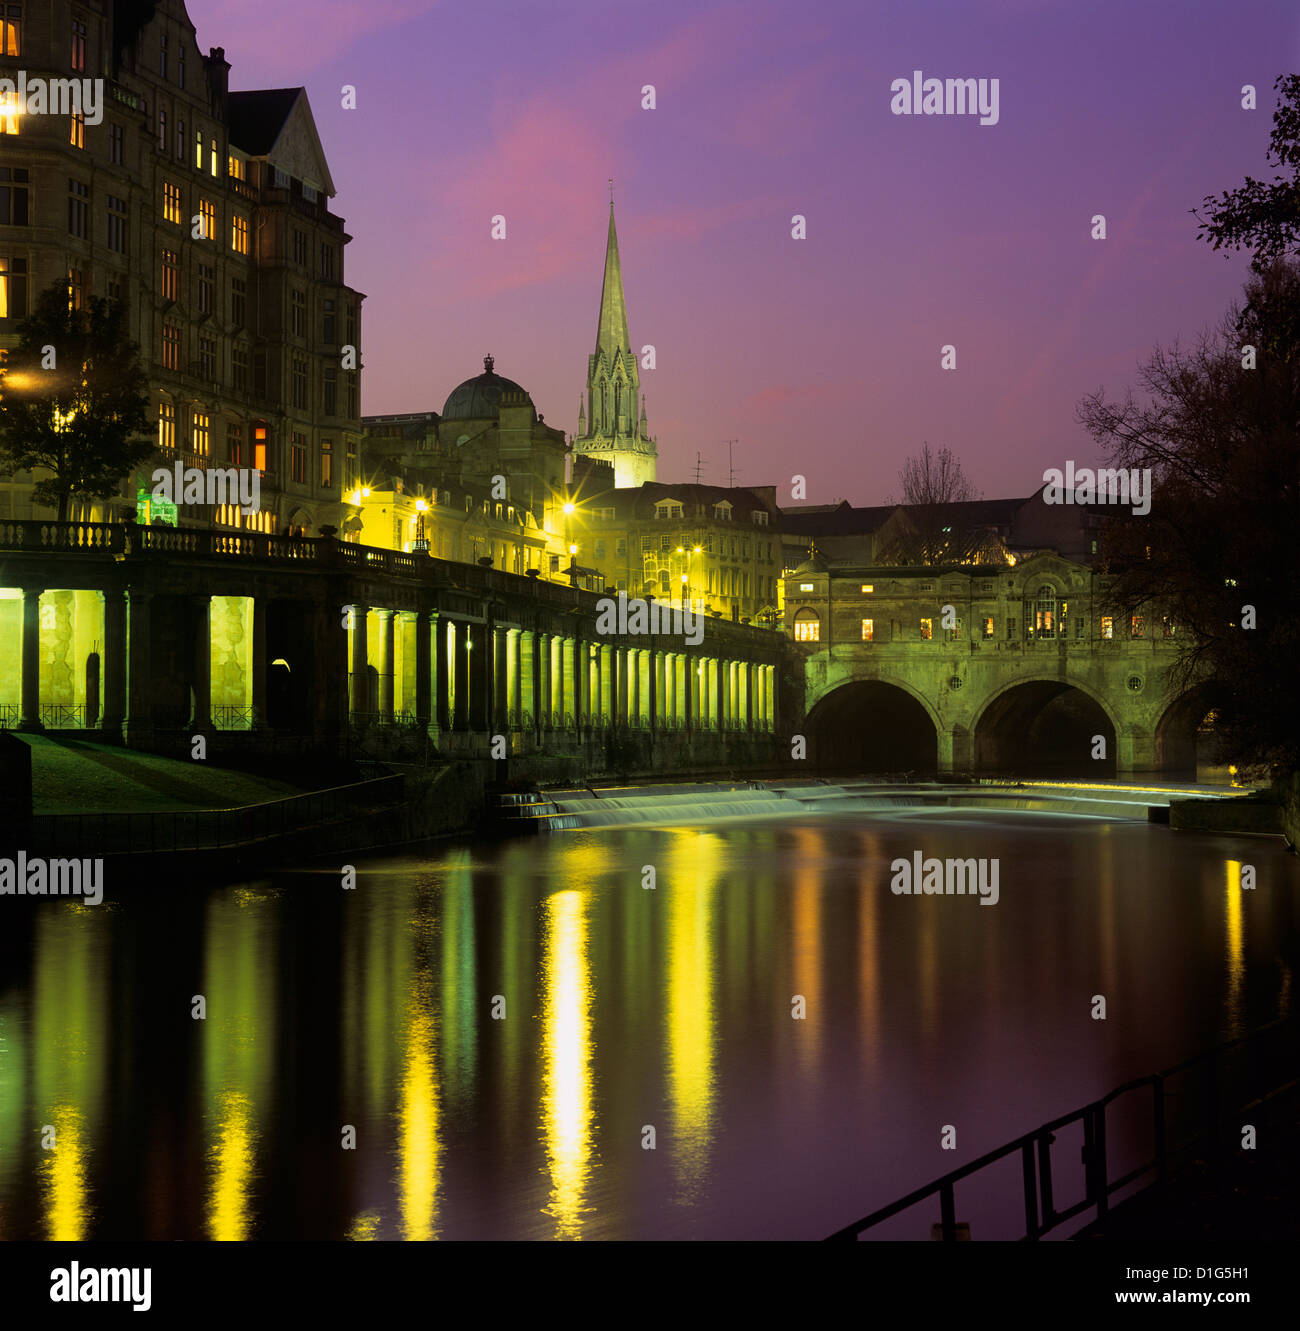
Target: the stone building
pixel 488 469
pixel 207 212
pixel 612 421
pixel 717 547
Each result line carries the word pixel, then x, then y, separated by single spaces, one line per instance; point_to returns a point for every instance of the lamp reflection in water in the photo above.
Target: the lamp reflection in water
pixel 567 1126
pixel 239 1032
pixel 695 862
pixel 1234 944
pixel 70 1045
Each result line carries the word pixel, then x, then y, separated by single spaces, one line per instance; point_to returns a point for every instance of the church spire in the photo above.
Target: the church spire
pixel 611 334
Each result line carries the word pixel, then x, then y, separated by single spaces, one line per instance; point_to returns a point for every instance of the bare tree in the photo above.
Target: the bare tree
pixel 934 529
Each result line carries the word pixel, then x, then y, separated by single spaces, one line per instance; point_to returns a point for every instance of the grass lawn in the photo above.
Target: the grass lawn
pixel 74 776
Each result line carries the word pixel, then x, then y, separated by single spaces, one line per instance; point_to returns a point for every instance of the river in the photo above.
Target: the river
pixel 525 1039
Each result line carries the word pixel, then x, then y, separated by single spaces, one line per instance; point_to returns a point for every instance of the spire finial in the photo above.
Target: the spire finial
pixel 488 363
pixel 611 193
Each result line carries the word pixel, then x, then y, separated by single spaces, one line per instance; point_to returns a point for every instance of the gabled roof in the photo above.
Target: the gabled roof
pixel 277 123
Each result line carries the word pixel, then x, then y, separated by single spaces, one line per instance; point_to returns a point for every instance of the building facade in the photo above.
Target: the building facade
pixel 207 213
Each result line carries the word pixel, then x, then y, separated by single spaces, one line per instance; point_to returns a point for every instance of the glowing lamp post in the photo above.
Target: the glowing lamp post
pixel 421 542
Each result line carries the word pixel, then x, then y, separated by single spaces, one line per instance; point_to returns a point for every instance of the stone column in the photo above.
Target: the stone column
pixel 387 663
pixel 462 648
pixel 201 664
pixel 31 660
pixel 114 710
pixel 545 687
pixel 660 707
pixel 257 664
pixel 330 706
pixel 607 683
pixel 441 675
pixel 359 690
pixel 408 630
pixel 528 679
pixel 423 655
pixel 499 721
pixel 139 679
pixel 514 679
pixel 568 703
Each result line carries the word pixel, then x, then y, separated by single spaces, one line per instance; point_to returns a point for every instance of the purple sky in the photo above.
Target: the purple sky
pixel 820 356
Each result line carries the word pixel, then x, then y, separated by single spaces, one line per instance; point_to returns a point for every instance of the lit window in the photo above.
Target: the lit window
pixel 1045 612
pixel 234 167
pixel 868 630
pixel 11 18
pixel 171 203
pixel 198 150
pixel 10 113
pixel 13 288
pixel 166 426
pixel 868 588
pixel 76 289
pixel 201 434
pixel 1107 626
pixel 207 219
pixel 1135 627
pixel 239 234
pixel 259 447
pixel 807 628
pixel 927 630
pixel 988 626
pixel 806 587
pixel 214 158
pixel 77 135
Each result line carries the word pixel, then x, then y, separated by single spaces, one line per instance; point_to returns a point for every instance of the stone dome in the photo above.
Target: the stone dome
pixel 479 398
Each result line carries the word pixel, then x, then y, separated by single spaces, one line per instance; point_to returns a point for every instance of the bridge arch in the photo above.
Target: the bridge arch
pixel 1184 742
pixel 1044 726
pixel 873 725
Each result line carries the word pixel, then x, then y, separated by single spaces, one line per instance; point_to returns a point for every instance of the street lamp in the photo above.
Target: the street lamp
pixel 421 542
pixel 686 577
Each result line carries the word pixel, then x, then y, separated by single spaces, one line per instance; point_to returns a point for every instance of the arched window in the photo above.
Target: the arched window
pixel 807 626
pixel 618 405
pixel 1045 612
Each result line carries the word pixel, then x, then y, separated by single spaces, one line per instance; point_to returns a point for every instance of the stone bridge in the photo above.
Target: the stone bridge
pixel 153 635
pixel 986 669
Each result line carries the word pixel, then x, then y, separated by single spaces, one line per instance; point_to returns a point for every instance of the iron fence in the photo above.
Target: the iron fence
pixel 1273 1052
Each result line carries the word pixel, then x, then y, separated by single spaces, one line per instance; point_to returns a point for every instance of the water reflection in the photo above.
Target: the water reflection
pixel 566 1052
pixel 379 1010
pixel 238 1034
pixel 69 1046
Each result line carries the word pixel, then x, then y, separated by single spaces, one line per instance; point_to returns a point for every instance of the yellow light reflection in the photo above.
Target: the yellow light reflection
pixel 1234 943
pixel 67 1210
pixel 418 1124
pixel 808 969
pixel 695 865
pixel 566 1051
pixel 232 1169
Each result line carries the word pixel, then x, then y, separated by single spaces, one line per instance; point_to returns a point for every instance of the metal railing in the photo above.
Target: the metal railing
pixel 232 716
pixel 1035 1148
pixel 205 829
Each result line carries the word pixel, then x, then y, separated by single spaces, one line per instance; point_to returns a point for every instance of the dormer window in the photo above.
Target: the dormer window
pixel 668 508
pixel 722 510
pixel 760 517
